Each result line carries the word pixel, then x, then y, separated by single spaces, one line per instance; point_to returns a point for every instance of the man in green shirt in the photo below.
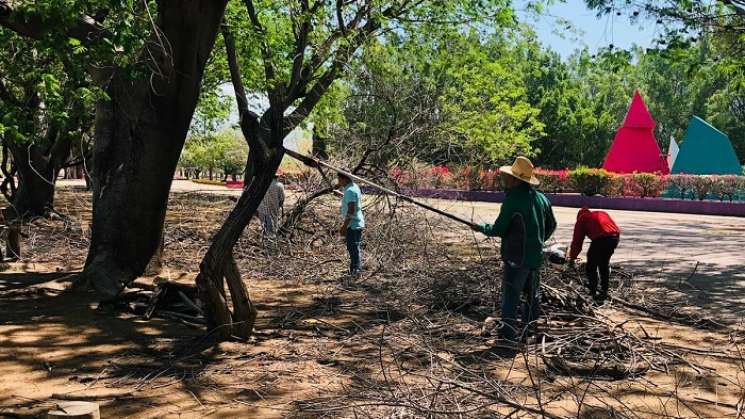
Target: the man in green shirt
pixel 525 222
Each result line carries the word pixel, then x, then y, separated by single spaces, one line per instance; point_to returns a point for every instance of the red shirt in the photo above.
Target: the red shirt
pixel 593 224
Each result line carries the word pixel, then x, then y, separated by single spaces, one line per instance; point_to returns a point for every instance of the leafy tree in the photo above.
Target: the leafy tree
pixel 294 51
pixel 149 59
pixel 194 157
pixel 447 96
pixel 224 150
pixel 46 110
pixel 485 111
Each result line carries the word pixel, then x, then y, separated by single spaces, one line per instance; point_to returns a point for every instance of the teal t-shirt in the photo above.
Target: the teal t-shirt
pixel 352 193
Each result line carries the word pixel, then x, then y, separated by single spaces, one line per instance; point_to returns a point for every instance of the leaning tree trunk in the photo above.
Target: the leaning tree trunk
pixel 218 262
pixel 139 134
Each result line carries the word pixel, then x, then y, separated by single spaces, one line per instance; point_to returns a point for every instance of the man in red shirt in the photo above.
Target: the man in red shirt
pixel 605 234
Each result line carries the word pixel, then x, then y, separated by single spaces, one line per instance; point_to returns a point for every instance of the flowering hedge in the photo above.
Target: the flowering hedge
pixel 581 180
pixel 722 187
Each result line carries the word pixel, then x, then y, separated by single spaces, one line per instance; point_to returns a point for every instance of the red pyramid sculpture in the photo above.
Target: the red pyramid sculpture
pixel 635 148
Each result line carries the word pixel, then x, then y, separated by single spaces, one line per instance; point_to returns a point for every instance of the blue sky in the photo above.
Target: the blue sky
pixel 588 30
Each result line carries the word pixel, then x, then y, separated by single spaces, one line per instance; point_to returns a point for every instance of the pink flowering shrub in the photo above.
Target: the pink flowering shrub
pixel 467 178
pixel 644 185
pixel 553 181
pixel 727 186
pixel 441 177
pixel 404 178
pixel 702 186
pixel 584 180
pixel 490 180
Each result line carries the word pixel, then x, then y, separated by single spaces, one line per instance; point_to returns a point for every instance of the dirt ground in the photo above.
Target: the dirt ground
pixel 405 340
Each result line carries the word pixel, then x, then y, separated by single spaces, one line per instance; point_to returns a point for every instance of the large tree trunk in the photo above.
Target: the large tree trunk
pixel 140 132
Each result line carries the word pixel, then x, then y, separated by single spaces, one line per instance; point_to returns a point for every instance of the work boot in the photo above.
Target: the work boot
pixel 600 298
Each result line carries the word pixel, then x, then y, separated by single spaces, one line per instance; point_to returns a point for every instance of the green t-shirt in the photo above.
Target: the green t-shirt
pixel 538 217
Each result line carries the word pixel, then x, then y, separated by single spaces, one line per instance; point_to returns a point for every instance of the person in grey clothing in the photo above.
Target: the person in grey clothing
pixel 271 207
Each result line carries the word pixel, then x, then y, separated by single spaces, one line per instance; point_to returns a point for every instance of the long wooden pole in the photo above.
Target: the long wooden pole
pixel 313 162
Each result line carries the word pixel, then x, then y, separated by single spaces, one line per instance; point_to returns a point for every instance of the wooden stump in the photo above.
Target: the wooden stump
pixel 75 410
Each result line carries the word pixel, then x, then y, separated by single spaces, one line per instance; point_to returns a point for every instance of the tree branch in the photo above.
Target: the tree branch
pixel 320 56
pixel 739 6
pixel 249 121
pixel 269 71
pixel 301 43
pixel 86 29
pixel 342 56
pixel 322 53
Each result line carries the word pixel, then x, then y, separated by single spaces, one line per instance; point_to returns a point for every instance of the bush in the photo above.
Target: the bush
pixel 702 186
pixel 439 177
pixel 727 187
pixel 405 178
pixel 466 178
pixel 591 181
pixel 554 181
pixel 682 184
pixel 644 185
pixel 617 186
pixel 490 180
pixel 583 180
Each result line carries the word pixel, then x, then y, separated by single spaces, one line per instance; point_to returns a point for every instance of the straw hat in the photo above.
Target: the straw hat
pixel 521 169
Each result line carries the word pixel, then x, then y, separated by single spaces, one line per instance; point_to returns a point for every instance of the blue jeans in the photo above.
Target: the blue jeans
pixel 354 247
pixel 516 282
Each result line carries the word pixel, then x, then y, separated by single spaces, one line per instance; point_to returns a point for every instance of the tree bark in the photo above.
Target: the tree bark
pixel 36 181
pixel 218 262
pixel 37 168
pixel 139 134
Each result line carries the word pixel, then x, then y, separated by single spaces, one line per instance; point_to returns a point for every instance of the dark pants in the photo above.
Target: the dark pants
pixel 354 247
pixel 516 282
pixel 598 261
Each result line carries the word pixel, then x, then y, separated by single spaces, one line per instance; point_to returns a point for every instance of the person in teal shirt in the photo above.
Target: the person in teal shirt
pixel 354 221
pixel 525 222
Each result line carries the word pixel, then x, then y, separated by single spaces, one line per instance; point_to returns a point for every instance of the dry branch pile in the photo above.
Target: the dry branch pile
pixel 406 339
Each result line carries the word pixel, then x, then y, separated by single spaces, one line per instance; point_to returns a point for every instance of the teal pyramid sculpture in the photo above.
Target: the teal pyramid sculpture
pixel 706 151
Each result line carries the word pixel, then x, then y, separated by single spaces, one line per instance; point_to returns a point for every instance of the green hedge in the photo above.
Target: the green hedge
pixel 591 181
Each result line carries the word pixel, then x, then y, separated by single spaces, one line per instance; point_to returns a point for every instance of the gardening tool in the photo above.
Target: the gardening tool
pixel 313 162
